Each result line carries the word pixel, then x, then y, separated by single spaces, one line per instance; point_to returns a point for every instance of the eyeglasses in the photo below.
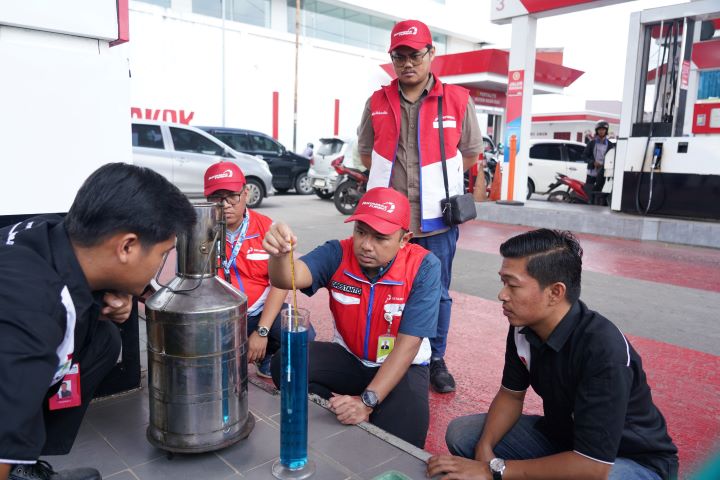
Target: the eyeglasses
pixel 231 198
pixel 415 58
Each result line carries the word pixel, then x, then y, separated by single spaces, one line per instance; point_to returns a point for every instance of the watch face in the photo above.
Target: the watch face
pixel 263 331
pixel 369 398
pixel 497 465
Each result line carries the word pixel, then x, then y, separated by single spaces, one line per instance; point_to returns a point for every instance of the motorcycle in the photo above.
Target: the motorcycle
pixel 575 192
pixel 351 187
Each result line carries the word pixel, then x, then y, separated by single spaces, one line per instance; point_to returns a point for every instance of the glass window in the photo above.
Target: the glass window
pixel 546 151
pixel 709 85
pixel 262 143
pixel 254 12
pixel 162 3
pixel 238 141
pixel 575 153
pixel 192 142
pixel 329 146
pixel 148 136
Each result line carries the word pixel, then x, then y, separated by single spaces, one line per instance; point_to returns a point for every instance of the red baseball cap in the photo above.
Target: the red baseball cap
pixel 386 210
pixel 410 33
pixel 223 176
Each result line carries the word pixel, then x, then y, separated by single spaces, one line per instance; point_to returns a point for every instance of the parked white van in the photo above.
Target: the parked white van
pixel 182 153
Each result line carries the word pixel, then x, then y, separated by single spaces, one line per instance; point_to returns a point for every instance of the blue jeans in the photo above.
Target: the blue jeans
pixel 524 442
pixel 443 245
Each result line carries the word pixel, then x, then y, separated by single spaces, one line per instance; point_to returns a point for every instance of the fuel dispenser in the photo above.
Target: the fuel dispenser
pixel 667 160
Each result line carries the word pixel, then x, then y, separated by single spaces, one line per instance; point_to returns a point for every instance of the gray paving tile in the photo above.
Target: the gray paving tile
pixel 261 446
pixel 325 469
pixel 322 423
pixel 184 467
pixel 119 412
pixel 89 450
pixel 131 444
pixel 356 449
pixel 405 464
pixel 262 402
pixel 124 475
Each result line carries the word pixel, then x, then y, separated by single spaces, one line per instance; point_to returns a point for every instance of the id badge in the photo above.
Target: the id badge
pixel 69 394
pixel 386 343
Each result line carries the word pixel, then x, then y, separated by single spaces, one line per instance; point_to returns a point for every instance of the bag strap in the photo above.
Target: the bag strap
pixel 442 143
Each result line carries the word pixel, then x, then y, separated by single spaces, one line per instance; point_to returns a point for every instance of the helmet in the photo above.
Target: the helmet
pixel 311 145
pixel 602 124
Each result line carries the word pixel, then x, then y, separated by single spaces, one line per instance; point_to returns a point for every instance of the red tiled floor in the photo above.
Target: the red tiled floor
pixel 684 266
pixel 685 383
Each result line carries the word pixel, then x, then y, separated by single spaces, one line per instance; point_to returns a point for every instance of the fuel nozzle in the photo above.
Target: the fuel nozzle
pixel 657 156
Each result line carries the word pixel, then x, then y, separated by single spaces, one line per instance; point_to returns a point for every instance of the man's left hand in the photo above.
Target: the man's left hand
pixel 117 306
pixel 350 410
pixel 458 468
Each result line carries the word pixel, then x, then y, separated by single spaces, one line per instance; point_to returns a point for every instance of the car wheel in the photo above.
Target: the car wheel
pixel 255 193
pixel 303 184
pixel 530 189
pixel 324 194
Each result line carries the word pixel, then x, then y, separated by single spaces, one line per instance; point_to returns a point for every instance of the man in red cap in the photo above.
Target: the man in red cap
pixel 399 140
pixel 384 295
pixel 246 264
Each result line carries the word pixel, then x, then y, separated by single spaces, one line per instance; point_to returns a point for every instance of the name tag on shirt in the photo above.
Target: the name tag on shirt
pixel 69 394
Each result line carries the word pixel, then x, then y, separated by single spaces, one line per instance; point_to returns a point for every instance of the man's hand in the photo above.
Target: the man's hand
pixel 349 410
pixel 458 468
pixel 117 306
pixel 278 239
pixel 256 347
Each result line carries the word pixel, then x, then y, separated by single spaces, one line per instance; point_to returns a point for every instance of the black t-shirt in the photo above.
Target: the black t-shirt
pixel 37 264
pixel 595 394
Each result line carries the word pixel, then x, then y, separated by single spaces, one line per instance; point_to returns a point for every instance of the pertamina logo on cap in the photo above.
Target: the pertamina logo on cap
pixel 387 207
pixel 226 174
pixel 409 31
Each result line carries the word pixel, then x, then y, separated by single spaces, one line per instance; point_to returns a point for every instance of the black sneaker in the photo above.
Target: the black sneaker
pixel 43 471
pixel 440 379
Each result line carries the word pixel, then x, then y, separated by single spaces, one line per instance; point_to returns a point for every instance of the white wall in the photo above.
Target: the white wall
pixel 176 64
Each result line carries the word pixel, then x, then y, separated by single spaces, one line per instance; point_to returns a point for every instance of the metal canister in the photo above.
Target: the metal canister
pixel 197 348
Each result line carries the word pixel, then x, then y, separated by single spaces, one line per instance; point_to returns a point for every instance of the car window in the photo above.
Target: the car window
pixel 575 152
pixel 546 151
pixel 329 146
pixel 262 143
pixel 149 136
pixel 238 141
pixel 193 142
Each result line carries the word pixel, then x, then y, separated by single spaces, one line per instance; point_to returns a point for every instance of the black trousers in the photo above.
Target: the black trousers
pixel 405 412
pixel 97 356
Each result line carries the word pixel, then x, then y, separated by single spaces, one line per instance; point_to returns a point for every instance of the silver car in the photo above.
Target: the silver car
pixel 323 177
pixel 182 153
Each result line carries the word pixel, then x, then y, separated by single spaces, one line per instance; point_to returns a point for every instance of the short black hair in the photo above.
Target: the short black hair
pixel 119 197
pixel 554 256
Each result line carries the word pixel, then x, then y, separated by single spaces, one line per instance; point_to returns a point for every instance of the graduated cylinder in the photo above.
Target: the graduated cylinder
pixel 197 348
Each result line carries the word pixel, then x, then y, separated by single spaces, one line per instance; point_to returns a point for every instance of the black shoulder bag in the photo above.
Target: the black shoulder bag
pixel 458 208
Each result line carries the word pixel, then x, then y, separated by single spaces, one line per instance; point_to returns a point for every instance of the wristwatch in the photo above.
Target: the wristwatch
pixel 262 331
pixel 369 398
pixel 497 467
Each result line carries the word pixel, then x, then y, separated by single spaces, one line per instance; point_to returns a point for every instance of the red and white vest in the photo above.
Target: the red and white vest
pixel 249 273
pixel 359 307
pixel 386 117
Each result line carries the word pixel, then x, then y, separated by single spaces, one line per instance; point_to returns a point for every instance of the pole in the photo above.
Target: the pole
pixel 297 57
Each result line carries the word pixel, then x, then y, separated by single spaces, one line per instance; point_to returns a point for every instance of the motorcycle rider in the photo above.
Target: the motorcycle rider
pixel 595 152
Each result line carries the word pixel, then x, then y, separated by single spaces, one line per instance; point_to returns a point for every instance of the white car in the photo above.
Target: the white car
pixel 182 153
pixel 549 157
pixel 322 175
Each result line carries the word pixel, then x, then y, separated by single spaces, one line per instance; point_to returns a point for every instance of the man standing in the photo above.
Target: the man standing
pixel 63 280
pixel 384 294
pixel 246 264
pixel 594 154
pixel 399 142
pixel 599 416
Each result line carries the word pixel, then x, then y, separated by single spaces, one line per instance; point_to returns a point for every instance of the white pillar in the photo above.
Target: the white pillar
pixel 518 115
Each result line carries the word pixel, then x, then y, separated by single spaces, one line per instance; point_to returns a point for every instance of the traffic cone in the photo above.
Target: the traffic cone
pixel 496 184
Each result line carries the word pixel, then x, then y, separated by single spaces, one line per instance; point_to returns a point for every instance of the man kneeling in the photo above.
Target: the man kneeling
pixel 599 417
pixel 384 297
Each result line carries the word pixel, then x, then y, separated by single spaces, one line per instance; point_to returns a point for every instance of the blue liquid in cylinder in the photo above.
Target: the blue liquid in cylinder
pixel 293 399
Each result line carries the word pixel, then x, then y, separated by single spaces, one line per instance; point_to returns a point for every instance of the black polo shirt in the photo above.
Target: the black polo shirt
pixel 37 263
pixel 595 394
